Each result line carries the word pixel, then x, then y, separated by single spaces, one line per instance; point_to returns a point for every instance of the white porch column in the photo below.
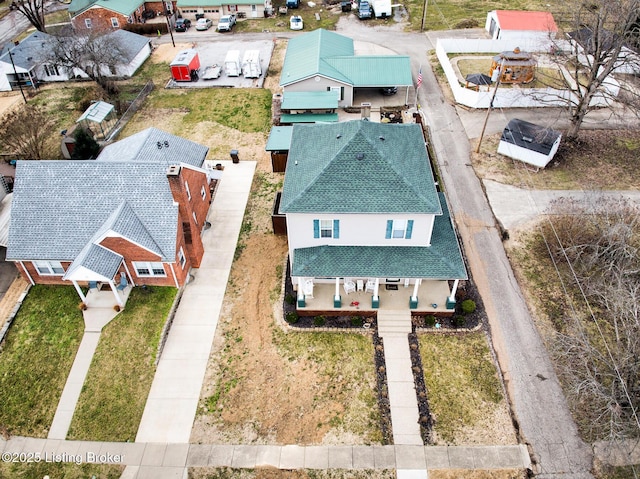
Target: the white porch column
pixel 80 293
pixel 115 293
pixel 415 289
pixel 300 288
pixel 337 295
pixel 452 297
pixel 376 287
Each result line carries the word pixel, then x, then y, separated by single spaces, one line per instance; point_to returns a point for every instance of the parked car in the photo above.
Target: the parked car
pixel 389 91
pixel 296 23
pixel 204 24
pixel 183 24
pixel 226 23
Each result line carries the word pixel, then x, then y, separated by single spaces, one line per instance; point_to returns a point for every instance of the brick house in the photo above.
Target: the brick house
pixel 113 14
pixel 133 216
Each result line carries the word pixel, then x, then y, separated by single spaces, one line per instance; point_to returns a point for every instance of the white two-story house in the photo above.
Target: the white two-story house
pixel 366 225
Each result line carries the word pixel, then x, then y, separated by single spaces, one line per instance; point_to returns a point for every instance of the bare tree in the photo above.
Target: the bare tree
pixel 602 43
pixel 599 354
pixel 33 10
pixel 25 132
pixel 97 54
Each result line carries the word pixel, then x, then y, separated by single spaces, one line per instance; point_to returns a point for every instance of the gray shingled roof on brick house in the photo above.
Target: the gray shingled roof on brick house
pixel 358 167
pixel 440 261
pixel 129 43
pixel 59 207
pixel 153 145
pixel 98 260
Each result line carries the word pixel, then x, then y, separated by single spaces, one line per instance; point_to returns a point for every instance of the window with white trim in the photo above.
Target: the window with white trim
pixel 88 23
pixel 49 268
pixel 186 187
pixel 146 268
pixel 398 229
pixel 182 258
pixel 326 229
pixel 203 193
pixel 114 22
pixel 51 70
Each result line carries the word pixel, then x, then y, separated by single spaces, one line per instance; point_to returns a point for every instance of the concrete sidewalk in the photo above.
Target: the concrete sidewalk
pixel 513 206
pixel 160 461
pixel 173 400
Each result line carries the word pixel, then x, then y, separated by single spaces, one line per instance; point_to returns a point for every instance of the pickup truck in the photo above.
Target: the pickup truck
pixel 226 23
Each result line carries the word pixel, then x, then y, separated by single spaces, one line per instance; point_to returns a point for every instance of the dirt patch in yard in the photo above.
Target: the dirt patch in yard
pixel 8 101
pixel 600 159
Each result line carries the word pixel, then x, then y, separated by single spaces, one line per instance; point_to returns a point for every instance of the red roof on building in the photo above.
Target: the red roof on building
pixel 519 20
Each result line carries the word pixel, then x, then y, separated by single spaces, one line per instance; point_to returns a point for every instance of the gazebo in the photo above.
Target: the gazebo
pixel 99 118
pixel 516 66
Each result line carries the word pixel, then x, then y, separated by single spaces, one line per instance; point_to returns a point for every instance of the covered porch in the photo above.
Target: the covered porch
pixel 360 294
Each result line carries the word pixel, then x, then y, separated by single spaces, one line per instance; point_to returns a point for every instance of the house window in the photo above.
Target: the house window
pixel 182 258
pixel 49 268
pixel 114 22
pixel 149 269
pixel 338 90
pixel 112 69
pixel 51 70
pixel 399 229
pixel 326 229
pixel 186 186
pixel 203 193
pixel 88 23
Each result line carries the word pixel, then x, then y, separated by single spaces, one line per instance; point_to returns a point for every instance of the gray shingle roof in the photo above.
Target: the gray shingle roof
pixel 59 207
pixel 129 43
pixel 442 260
pixel 325 175
pixel 30 52
pixel 96 259
pixel 143 147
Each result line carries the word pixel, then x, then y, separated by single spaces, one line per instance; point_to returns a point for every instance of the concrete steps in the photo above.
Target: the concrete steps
pixel 394 322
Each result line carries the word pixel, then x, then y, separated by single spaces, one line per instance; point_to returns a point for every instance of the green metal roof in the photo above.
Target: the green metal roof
pixel 306 55
pixel 279 138
pixel 374 70
pixel 309 100
pixel 124 7
pixel 325 175
pixel 198 3
pixel 309 118
pixel 79 5
pixel 442 260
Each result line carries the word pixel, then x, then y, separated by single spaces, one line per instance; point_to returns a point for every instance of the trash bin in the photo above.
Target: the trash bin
pixel 234 156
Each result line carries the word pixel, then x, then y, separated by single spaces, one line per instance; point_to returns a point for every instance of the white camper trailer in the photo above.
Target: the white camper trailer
pixel 251 64
pixel 232 63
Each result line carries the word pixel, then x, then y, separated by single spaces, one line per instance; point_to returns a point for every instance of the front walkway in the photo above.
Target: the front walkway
pixel 173 400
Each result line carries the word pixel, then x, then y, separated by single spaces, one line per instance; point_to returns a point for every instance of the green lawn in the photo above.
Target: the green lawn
pixel 118 383
pixel 243 109
pixel 462 382
pixel 37 357
pixel 57 470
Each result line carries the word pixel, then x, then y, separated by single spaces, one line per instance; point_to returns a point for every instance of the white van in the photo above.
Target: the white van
pixel 251 64
pixel 232 63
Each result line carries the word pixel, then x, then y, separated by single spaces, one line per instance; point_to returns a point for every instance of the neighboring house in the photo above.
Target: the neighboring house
pixel 362 207
pixel 137 212
pixel 101 15
pixel 520 25
pixel 325 61
pixel 33 63
pixel 582 43
pixel 214 9
pixel 529 143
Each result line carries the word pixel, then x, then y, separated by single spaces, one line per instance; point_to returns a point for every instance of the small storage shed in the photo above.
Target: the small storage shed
pixel 278 145
pixel 99 119
pixel 517 66
pixel 520 25
pixel 530 143
pixel 185 65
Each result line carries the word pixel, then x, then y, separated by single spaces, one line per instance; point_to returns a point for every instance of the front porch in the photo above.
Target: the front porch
pixel 432 298
pixel 102 305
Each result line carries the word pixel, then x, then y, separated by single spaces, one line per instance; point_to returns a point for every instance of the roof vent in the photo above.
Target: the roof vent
pixel 360 156
pixel 381 138
pixel 173 170
pixel 338 135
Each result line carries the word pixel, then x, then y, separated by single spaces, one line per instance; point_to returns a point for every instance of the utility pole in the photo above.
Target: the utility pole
pixel 486 118
pixel 15 72
pixel 424 15
pixel 166 14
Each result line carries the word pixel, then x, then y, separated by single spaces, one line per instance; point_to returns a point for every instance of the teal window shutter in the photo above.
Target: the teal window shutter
pixel 409 229
pixel 336 229
pixel 316 228
pixel 389 228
